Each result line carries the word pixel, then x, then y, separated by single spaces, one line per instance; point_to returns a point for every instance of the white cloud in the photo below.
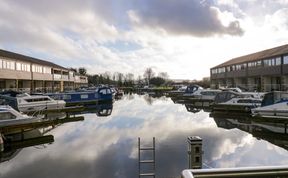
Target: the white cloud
pixel 92 33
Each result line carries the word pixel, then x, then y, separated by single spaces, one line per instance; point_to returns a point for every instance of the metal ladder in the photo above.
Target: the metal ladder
pixel 152 161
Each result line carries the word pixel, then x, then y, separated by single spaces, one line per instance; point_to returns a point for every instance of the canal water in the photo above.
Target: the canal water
pixel 107 146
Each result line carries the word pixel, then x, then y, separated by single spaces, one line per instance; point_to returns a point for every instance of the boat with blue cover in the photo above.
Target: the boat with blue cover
pixel 85 97
pixel 274 103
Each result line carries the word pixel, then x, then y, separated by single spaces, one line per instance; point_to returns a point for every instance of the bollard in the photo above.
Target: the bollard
pixel 195 152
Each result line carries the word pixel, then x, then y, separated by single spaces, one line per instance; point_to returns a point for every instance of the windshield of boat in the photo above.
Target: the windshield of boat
pixel 274 97
pixel 5 115
pixel 225 96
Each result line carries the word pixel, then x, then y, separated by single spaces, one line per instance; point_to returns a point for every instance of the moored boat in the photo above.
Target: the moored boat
pixel 86 97
pixel 202 97
pixel 31 103
pixel 9 116
pixel 274 104
pixel 236 102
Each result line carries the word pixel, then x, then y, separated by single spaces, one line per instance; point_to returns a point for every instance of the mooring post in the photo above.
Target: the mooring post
pixel 195 152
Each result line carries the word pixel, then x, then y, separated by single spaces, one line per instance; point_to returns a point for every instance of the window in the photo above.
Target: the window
pixel 18 66
pixel 25 67
pixel 255 64
pixel 228 69
pixel 278 61
pixel 285 59
pixel 214 71
pixel 4 64
pixel 8 64
pixel 6 116
pixel 37 68
pixel 197 149
pixel 272 62
pixel 37 99
pixel 1 64
pixel 84 96
pixel 197 159
pixel 46 70
pixel 66 97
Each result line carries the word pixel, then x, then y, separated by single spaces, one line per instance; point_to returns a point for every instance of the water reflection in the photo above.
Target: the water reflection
pixel 108 147
pixel 103 109
pixel 268 129
pixel 14 143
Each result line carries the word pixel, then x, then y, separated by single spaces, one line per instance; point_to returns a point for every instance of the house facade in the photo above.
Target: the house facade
pixel 261 71
pixel 24 73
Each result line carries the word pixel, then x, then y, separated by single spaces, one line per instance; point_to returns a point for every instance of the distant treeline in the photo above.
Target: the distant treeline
pixel 149 78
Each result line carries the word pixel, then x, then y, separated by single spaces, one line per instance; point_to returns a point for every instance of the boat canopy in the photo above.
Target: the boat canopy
pixel 225 96
pixel 192 88
pixel 274 97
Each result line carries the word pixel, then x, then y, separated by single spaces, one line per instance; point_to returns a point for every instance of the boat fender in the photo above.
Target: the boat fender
pixel 1 143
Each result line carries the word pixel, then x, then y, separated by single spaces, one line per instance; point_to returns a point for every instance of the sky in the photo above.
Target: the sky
pixel 184 38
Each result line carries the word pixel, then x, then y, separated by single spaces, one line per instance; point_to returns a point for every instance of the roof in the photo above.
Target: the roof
pixel 277 51
pixel 21 57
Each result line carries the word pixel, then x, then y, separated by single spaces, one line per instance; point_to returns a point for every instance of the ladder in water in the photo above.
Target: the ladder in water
pixel 152 161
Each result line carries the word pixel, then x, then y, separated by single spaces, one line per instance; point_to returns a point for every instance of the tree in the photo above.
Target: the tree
pixel 129 78
pixel 157 81
pixel 106 77
pixel 82 71
pixel 148 74
pixel 119 77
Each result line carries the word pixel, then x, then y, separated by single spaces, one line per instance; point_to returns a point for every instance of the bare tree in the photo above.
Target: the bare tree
pixel 120 78
pixel 148 74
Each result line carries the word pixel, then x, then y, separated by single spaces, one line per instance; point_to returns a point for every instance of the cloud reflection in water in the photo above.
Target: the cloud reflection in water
pixel 107 146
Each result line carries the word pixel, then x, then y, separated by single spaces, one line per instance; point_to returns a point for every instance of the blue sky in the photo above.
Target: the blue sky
pixel 181 37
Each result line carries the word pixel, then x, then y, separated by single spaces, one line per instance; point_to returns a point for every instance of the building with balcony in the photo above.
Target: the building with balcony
pixel 262 71
pixel 24 73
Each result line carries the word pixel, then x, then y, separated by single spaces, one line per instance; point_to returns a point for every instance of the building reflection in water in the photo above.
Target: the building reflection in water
pixel 271 130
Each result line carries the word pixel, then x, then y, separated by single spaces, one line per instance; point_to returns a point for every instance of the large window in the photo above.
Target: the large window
pixel 272 62
pixel 278 61
pixel 255 64
pixel 1 64
pixel 285 59
pixel 18 66
pixel 6 64
pixel 23 67
pixel 37 68
pixel 46 70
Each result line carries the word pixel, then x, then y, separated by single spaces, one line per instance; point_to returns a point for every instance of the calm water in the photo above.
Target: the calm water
pixel 107 147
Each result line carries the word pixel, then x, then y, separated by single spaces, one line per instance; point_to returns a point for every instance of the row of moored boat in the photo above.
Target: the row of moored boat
pixel 269 104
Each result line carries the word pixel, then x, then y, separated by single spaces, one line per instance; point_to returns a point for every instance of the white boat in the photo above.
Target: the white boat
pixel 201 97
pixel 238 90
pixel 9 116
pixel 177 92
pixel 202 94
pixel 274 104
pixel 30 103
pixel 233 101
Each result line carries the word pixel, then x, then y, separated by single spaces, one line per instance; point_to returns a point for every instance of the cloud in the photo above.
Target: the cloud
pixel 188 17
